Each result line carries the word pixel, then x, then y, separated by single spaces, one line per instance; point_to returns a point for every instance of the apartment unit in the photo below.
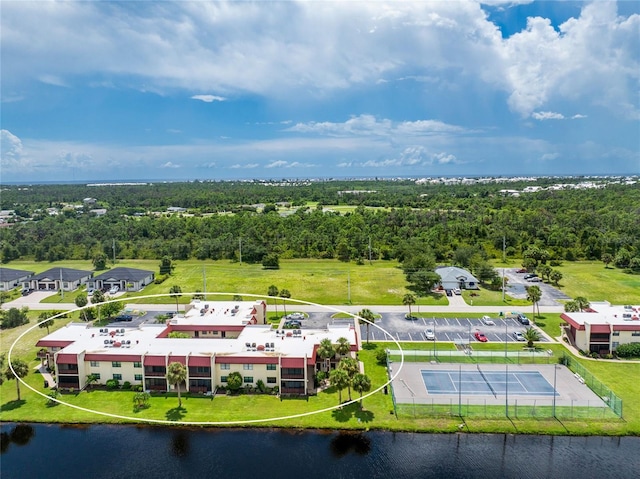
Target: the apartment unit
pixel 223 337
pixel 604 327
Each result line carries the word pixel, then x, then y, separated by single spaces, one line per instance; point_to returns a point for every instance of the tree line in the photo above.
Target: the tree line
pixel 453 224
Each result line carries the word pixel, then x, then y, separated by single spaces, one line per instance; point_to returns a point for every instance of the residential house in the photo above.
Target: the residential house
pixel 11 278
pixel 453 277
pixel 55 279
pixel 126 279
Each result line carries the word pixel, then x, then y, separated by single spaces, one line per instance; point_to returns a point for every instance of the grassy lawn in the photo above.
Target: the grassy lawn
pixel 597 283
pixel 486 297
pixel 320 281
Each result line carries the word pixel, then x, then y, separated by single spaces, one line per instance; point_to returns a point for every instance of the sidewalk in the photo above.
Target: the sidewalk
pixel 45 375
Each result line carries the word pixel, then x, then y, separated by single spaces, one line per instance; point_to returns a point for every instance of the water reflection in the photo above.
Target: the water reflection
pixel 180 444
pixel 346 442
pixel 20 435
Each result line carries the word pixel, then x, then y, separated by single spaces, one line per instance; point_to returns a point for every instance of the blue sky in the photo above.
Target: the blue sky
pixel 226 90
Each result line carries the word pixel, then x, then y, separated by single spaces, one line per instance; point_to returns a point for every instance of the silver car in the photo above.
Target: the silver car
pixel 429 334
pixel 488 321
pixel 519 336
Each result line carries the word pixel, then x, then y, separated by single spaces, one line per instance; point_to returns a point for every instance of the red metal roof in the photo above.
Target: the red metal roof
pixel 178 359
pixel 199 361
pixel 572 321
pixel 600 328
pixel 125 358
pixel 292 362
pixel 67 359
pixel 51 343
pixel 155 361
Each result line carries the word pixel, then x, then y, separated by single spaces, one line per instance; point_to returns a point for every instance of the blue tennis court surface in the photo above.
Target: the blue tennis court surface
pixel 479 382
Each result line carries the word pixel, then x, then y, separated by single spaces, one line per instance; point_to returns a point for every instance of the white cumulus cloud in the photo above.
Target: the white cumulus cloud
pixel 208 98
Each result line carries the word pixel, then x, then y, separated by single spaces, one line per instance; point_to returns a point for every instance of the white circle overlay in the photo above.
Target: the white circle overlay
pixel 209 423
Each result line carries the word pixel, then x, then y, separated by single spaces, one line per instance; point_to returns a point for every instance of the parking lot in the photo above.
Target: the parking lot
pixel 445 329
pixel 516 288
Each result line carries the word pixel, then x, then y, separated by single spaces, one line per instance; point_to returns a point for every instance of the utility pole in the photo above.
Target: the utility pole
pixel 503 285
pixel 349 286
pixel 369 249
pixel 240 243
pixel 61 285
pixel 504 249
pixel 113 247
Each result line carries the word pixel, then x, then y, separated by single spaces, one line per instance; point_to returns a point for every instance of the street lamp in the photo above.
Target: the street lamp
pixel 433 325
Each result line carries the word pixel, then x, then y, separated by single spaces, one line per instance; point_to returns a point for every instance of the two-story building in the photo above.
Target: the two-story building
pixel 603 328
pixel 224 337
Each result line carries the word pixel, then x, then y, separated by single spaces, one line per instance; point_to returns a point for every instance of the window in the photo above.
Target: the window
pixel 225 366
pixel 223 379
pixel 248 379
pixel 247 367
pixel 137 377
pixel 635 333
pixel 137 364
pixel 97 376
pixel 271 380
pixel 95 364
pixel 271 367
pixel 117 377
pixel 615 345
pixel 115 364
pixel 616 333
pixel 203 369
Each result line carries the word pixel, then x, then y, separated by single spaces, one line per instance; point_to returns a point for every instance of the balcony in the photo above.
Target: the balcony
pixel 155 372
pixel 67 369
pixel 193 373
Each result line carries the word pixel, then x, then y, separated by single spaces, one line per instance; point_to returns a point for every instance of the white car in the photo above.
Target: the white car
pixel 488 321
pixel 114 290
pixel 519 336
pixel 457 291
pixel 429 334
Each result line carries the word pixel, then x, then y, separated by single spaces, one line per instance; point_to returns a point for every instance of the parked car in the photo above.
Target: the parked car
pixel 292 324
pixel 457 291
pixel 409 317
pixel 534 279
pixel 123 317
pixel 296 316
pixel 521 270
pixel 26 291
pixel 488 321
pixel 480 337
pixel 519 336
pixel 90 291
pixel 528 276
pixel 449 293
pixel 523 319
pixel 429 334
pixel 114 290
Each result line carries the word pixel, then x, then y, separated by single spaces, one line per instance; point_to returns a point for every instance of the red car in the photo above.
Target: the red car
pixel 480 337
pixel 521 270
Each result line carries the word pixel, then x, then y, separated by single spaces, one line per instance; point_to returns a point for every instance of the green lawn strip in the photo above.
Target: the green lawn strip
pixel 486 297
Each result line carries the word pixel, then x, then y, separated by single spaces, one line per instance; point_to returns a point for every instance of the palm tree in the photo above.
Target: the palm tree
pixel 408 300
pixel 284 294
pixel 361 384
pixel 176 292
pixel 326 351
pixel 367 317
pixel 343 347
pixel 351 367
pixel 339 379
pixel 534 294
pixel 582 302
pixel 176 375
pixel 20 370
pixel 273 291
pixel 571 307
pixel 531 335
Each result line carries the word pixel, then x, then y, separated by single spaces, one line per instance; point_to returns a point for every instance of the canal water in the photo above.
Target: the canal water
pixel 100 451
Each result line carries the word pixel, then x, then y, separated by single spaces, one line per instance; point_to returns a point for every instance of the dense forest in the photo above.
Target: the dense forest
pixel 389 220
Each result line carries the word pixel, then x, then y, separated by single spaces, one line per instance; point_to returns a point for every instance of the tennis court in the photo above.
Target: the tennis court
pixel 479 382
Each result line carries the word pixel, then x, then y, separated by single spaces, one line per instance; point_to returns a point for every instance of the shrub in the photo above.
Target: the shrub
pixel 631 350
pixel 126 385
pixel 161 278
pixel 112 383
pixel 381 357
pixel 260 385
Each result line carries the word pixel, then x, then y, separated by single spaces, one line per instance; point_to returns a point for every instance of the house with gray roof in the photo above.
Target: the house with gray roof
pixel 55 279
pixel 10 278
pixel 126 279
pixel 453 277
